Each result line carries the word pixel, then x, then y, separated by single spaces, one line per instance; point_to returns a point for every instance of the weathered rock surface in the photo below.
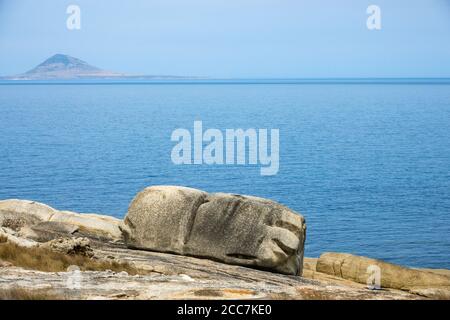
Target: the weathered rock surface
pixel 234 229
pixel 309 264
pixel 35 220
pixel 5 264
pixel 174 276
pixel 170 276
pixel 10 235
pixel 79 246
pixel 357 269
pixel 443 272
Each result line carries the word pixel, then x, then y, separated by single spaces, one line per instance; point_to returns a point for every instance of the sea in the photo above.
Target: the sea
pixel 365 161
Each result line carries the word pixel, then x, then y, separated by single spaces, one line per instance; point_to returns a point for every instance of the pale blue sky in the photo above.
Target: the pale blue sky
pixel 233 38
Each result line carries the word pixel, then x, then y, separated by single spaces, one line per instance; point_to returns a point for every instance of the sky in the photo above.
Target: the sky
pixel 232 38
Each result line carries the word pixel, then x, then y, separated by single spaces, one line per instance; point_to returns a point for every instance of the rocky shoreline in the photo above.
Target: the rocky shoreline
pixel 184 269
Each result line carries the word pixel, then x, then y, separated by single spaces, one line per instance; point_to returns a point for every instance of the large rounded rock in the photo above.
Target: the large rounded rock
pixel 35 220
pixel 15 214
pixel 230 228
pixel 361 269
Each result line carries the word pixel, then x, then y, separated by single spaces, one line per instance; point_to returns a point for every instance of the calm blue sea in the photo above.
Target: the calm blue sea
pixel 368 165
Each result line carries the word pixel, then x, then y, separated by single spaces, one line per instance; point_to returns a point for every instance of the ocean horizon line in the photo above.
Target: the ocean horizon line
pixel 197 81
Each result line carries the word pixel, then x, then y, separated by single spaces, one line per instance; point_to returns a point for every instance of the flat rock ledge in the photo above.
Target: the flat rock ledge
pixel 172 275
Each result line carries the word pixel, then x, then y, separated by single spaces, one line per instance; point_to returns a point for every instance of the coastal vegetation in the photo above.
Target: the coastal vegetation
pixel 24 294
pixel 47 260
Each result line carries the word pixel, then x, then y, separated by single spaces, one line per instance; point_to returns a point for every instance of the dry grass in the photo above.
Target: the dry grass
pixel 3 239
pixel 24 294
pixel 208 293
pixel 50 261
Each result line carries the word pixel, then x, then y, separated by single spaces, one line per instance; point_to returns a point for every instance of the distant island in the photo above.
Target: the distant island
pixel 65 67
pixel 62 67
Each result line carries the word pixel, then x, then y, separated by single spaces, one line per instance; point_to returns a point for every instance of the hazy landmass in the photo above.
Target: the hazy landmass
pixel 65 67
